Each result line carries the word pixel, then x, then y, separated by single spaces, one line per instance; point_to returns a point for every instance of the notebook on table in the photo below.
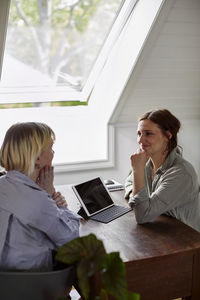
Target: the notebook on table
pixel 96 201
pixel 112 185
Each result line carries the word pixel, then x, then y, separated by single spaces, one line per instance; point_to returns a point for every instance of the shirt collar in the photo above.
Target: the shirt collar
pixel 22 178
pixel 168 162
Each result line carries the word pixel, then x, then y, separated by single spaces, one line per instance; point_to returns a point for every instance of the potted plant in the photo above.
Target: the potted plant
pixel 100 275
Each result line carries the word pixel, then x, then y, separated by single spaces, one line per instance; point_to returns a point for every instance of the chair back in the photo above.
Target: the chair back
pixel 20 285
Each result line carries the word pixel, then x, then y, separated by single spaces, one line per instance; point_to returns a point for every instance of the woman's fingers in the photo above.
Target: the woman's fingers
pixel 59 199
pixel 45 179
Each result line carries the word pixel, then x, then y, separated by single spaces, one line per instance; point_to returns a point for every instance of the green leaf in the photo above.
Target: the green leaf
pixel 83 278
pixel 88 247
pixel 88 253
pixel 114 276
pixel 132 296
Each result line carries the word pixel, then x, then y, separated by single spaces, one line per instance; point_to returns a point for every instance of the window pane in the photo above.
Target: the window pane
pixel 54 43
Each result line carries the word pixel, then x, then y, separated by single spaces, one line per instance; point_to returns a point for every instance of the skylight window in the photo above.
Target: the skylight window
pixel 51 48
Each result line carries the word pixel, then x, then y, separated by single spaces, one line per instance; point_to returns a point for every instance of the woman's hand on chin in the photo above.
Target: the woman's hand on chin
pixel 139 159
pixel 45 179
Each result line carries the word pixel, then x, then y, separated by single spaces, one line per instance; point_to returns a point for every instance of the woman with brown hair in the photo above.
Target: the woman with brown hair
pixel 161 181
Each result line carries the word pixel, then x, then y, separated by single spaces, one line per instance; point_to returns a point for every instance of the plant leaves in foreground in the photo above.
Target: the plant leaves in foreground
pixel 90 257
pixel 114 276
pixel 82 247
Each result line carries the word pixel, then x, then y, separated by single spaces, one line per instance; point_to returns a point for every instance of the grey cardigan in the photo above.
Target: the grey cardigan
pixel 174 191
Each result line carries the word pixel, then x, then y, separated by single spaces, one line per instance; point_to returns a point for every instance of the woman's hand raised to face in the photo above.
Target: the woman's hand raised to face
pixel 138 160
pixel 45 179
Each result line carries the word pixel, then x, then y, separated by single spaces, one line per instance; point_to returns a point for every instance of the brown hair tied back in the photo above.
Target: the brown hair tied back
pixel 166 122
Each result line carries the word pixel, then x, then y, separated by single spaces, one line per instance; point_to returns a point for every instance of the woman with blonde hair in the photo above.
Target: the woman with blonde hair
pixel 34 218
pixel 162 181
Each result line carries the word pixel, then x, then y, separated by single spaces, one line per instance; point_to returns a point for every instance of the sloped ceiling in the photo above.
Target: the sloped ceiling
pixel 167 73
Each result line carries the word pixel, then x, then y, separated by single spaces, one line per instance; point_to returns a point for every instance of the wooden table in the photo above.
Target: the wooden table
pixel 162 257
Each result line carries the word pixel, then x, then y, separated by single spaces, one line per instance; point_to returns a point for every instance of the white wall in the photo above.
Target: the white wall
pixel 167 75
pixel 190 141
pixel 125 143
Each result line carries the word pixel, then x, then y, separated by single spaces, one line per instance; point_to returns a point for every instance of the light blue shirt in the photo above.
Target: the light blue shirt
pixel 31 224
pixel 173 191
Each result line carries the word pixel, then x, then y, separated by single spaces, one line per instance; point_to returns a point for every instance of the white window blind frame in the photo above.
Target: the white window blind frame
pixel 4 12
pixel 57 93
pixel 118 26
pixel 38 94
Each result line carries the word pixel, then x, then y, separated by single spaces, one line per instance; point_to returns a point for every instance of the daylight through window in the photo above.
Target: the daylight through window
pixel 51 48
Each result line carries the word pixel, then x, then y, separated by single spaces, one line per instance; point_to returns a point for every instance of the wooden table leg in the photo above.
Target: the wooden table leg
pixel 195 293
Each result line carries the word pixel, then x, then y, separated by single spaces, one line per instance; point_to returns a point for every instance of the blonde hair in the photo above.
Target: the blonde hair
pixel 22 145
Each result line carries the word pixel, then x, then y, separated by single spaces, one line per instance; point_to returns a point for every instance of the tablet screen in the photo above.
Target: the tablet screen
pixel 93 195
